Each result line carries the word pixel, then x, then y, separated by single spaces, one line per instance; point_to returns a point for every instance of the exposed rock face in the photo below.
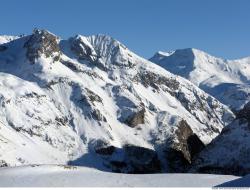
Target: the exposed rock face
pixel 42 42
pixel 136 160
pixel 180 154
pixel 136 118
pixel 148 78
pixel 83 49
pixel 110 51
pixel 96 115
pixel 128 159
pixel 104 148
pixel 189 143
pixel 108 150
pixel 93 97
pixel 141 160
pixel 87 101
pixel 202 104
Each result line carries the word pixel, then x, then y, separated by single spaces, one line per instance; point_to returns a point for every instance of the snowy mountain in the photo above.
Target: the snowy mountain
pixel 90 101
pixel 227 80
pixel 229 152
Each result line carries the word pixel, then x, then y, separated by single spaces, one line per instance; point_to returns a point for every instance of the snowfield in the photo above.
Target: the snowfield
pixel 69 176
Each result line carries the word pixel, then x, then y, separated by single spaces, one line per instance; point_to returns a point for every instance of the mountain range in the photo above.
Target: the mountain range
pixel 226 80
pixel 90 101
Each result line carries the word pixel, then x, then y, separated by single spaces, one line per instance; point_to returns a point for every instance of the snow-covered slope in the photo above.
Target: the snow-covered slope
pixel 4 39
pixel 227 80
pixel 229 153
pixel 91 101
pixel 65 176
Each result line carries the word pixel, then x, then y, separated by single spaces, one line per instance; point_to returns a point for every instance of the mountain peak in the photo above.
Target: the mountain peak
pixel 104 38
pixel 105 42
pixel 104 50
pixel 42 32
pixel 42 42
pixel 184 52
pixel 111 51
pixel 210 73
pixel 83 48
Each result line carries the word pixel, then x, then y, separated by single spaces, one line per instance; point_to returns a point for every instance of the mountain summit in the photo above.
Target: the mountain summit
pixel 227 80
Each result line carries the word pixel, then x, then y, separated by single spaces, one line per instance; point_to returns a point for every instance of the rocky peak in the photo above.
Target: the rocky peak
pixel 42 42
pixel 82 48
pixel 111 51
pixel 101 50
pixel 103 43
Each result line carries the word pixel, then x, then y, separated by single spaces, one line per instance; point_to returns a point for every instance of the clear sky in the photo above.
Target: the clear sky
pixel 220 27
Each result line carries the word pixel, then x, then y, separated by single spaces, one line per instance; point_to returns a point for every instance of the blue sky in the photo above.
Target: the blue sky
pixel 220 27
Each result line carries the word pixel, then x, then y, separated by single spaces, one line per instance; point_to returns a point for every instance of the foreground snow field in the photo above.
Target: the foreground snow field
pixel 59 176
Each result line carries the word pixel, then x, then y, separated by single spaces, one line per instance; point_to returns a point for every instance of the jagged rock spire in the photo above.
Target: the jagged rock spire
pixel 42 42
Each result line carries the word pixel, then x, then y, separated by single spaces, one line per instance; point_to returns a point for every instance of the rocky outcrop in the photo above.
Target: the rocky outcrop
pixel 148 78
pixel 42 42
pixel 84 51
pixel 141 160
pixel 103 148
pixel 82 48
pixel 180 153
pixel 136 118
pixel 136 160
pixel 128 159
pixel 87 101
pixel 96 115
